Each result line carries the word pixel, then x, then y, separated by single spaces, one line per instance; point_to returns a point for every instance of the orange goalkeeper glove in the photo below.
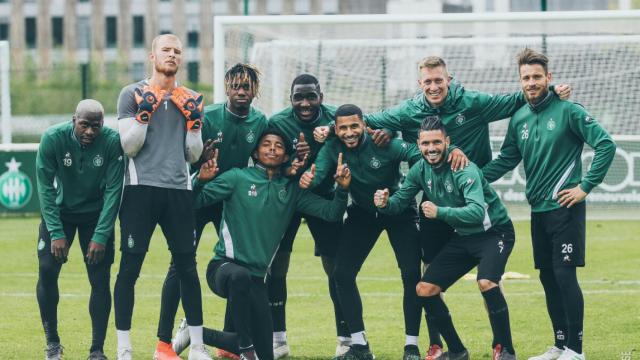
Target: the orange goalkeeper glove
pixel 148 98
pixel 190 104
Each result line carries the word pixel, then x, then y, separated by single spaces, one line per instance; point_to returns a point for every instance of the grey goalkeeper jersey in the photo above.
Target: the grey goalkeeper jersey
pixel 161 161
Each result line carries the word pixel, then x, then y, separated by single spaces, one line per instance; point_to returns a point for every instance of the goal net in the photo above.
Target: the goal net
pixel 371 61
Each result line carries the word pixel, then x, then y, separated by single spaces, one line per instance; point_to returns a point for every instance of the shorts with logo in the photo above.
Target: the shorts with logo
pixel 85 224
pixel 143 207
pixel 488 250
pixel 558 237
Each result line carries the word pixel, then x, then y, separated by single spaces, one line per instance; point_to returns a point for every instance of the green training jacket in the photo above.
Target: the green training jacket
pixel 287 121
pixel 371 167
pixel 465 114
pixel 549 137
pixel 464 198
pixel 74 179
pixel 238 136
pixel 257 212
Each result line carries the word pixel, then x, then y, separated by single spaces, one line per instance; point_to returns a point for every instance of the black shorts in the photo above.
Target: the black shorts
pixel 205 215
pixel 558 237
pixel 85 225
pixel 489 251
pixel 434 235
pixel 143 207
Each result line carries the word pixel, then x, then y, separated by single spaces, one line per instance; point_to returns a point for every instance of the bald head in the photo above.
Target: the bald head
pixel 89 107
pixel 88 121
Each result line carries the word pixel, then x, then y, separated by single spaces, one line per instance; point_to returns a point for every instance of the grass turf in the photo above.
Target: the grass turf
pixel 610 282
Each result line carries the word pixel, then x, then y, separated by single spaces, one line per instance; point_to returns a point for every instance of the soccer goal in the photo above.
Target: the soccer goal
pixel 371 60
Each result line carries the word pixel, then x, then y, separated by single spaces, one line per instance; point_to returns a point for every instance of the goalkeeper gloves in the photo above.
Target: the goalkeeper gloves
pixel 190 104
pixel 148 98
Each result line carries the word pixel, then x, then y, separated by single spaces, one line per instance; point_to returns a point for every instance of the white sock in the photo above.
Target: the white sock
pixel 343 340
pixel 358 338
pixel 124 342
pixel 280 336
pixel 195 334
pixel 411 340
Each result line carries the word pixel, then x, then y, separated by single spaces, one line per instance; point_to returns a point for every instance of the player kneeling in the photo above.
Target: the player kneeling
pixel 483 237
pixel 258 205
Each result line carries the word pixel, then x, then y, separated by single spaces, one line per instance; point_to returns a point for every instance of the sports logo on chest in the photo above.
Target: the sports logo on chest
pixel 67 160
pixel 524 132
pixel 374 163
pixel 460 119
pixel 252 191
pixel 98 160
pixel 219 137
pixel 251 137
pixel 282 194
pixel 429 184
pixel 551 124
pixel 294 143
pixel 448 186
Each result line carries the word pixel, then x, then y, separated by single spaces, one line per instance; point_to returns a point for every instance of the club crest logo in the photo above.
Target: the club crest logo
pixel 282 194
pixel 294 143
pixel 460 119
pixel 588 119
pixel 98 161
pixel 448 186
pixel 219 137
pixel 251 137
pixel 15 186
pixel 551 124
pixel 429 183
pixel 525 132
pixel 252 191
pixel 375 163
pixel 67 159
pixel 130 242
pixel 40 244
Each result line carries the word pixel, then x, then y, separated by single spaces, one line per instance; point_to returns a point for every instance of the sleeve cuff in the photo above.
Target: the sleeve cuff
pixel 586 187
pixel 99 238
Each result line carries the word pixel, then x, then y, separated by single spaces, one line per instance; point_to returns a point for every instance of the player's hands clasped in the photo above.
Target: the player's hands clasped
pixel 380 198
pixel 190 104
pixel 148 98
pixel 343 174
pixel 429 209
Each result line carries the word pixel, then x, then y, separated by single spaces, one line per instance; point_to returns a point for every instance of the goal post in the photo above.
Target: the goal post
pixel 5 96
pixel 371 61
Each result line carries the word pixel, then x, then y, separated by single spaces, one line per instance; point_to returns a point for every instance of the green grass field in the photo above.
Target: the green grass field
pixel 610 282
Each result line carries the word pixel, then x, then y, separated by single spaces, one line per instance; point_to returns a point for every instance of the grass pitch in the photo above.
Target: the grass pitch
pixel 610 283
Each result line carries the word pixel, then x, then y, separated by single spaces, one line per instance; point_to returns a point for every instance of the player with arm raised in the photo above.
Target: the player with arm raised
pixel 79 168
pixel 483 236
pixel 549 135
pixel 372 167
pixel 259 203
pixel 160 130
pixel 233 128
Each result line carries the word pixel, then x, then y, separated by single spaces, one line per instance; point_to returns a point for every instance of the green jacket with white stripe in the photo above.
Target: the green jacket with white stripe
pixel 549 137
pixel 465 200
pixel 257 212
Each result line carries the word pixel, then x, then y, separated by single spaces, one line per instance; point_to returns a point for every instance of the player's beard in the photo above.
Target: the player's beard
pixel 166 71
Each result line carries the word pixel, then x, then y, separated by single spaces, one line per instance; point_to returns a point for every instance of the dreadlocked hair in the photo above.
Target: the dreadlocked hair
pixel 240 73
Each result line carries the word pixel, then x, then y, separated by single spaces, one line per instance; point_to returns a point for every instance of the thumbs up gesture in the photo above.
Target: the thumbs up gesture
pixel 343 174
pixel 380 198
pixel 307 178
pixel 302 147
